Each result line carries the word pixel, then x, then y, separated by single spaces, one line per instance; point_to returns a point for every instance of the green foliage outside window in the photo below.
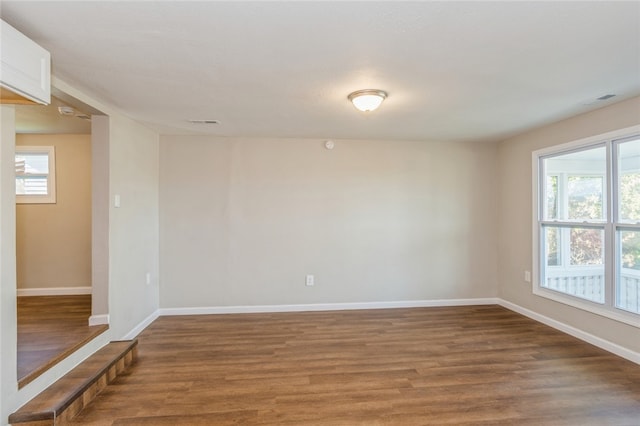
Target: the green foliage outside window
pixel 585 194
pixel 630 211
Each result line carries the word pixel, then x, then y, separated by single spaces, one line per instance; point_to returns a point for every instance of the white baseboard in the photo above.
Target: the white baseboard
pixel 141 326
pixel 53 291
pixel 575 332
pixel 98 319
pixel 252 309
pixel 213 310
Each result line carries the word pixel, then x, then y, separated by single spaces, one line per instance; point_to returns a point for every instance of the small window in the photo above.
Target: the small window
pixel 35 175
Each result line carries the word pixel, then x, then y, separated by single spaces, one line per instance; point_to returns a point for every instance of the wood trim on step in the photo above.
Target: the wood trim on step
pixel 63 400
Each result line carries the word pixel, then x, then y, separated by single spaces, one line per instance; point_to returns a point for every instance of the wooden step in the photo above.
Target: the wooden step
pixel 61 401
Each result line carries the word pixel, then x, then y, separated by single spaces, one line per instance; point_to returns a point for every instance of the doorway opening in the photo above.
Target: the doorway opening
pixel 54 235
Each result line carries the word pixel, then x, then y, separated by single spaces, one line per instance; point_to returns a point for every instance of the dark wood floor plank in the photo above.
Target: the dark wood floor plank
pixel 469 365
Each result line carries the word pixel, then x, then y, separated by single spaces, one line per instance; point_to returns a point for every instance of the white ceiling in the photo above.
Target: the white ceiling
pixel 453 70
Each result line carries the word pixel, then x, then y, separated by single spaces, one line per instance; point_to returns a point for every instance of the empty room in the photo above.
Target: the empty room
pixel 319 213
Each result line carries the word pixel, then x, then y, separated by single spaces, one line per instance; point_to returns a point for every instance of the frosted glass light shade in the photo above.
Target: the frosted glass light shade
pixel 367 100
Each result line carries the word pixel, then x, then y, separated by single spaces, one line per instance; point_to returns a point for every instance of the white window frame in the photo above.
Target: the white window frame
pixel 50 197
pixel 608 309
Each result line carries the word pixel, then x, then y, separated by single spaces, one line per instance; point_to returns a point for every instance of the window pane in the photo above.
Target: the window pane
pixel 35 174
pixel 552 239
pixel 587 246
pixel 582 273
pixel 575 185
pixel 32 185
pixel 629 181
pixel 552 198
pixel 585 197
pixel 36 163
pixel 628 288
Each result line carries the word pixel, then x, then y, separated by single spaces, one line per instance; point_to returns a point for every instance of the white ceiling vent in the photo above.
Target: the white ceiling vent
pixel 203 121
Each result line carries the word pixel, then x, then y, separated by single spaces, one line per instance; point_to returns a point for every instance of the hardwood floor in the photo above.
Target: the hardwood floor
pixel 50 328
pixel 451 365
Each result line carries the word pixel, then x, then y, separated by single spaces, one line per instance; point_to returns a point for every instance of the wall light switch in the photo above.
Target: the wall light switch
pixel 527 276
pixel 116 201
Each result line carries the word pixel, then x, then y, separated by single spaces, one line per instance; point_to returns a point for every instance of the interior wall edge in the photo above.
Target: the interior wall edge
pixel 8 280
pixel 141 326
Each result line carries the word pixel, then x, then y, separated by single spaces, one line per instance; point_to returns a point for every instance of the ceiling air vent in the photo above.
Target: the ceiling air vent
pixel 203 121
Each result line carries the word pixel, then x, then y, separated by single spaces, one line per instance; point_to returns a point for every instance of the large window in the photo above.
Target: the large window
pixel 35 174
pixel 587 230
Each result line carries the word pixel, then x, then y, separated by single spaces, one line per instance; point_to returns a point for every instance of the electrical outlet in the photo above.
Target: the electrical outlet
pixel 309 281
pixel 527 276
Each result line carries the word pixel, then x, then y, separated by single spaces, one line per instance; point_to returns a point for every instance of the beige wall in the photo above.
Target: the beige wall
pixel 100 215
pixel 133 227
pixel 54 240
pixel 242 221
pixel 515 217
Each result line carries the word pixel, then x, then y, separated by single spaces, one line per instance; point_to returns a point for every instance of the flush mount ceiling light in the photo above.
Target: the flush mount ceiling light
pixel 68 111
pixel 368 99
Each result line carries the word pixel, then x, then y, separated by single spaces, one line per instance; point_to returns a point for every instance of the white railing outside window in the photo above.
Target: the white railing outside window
pixel 629 290
pixel 590 285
